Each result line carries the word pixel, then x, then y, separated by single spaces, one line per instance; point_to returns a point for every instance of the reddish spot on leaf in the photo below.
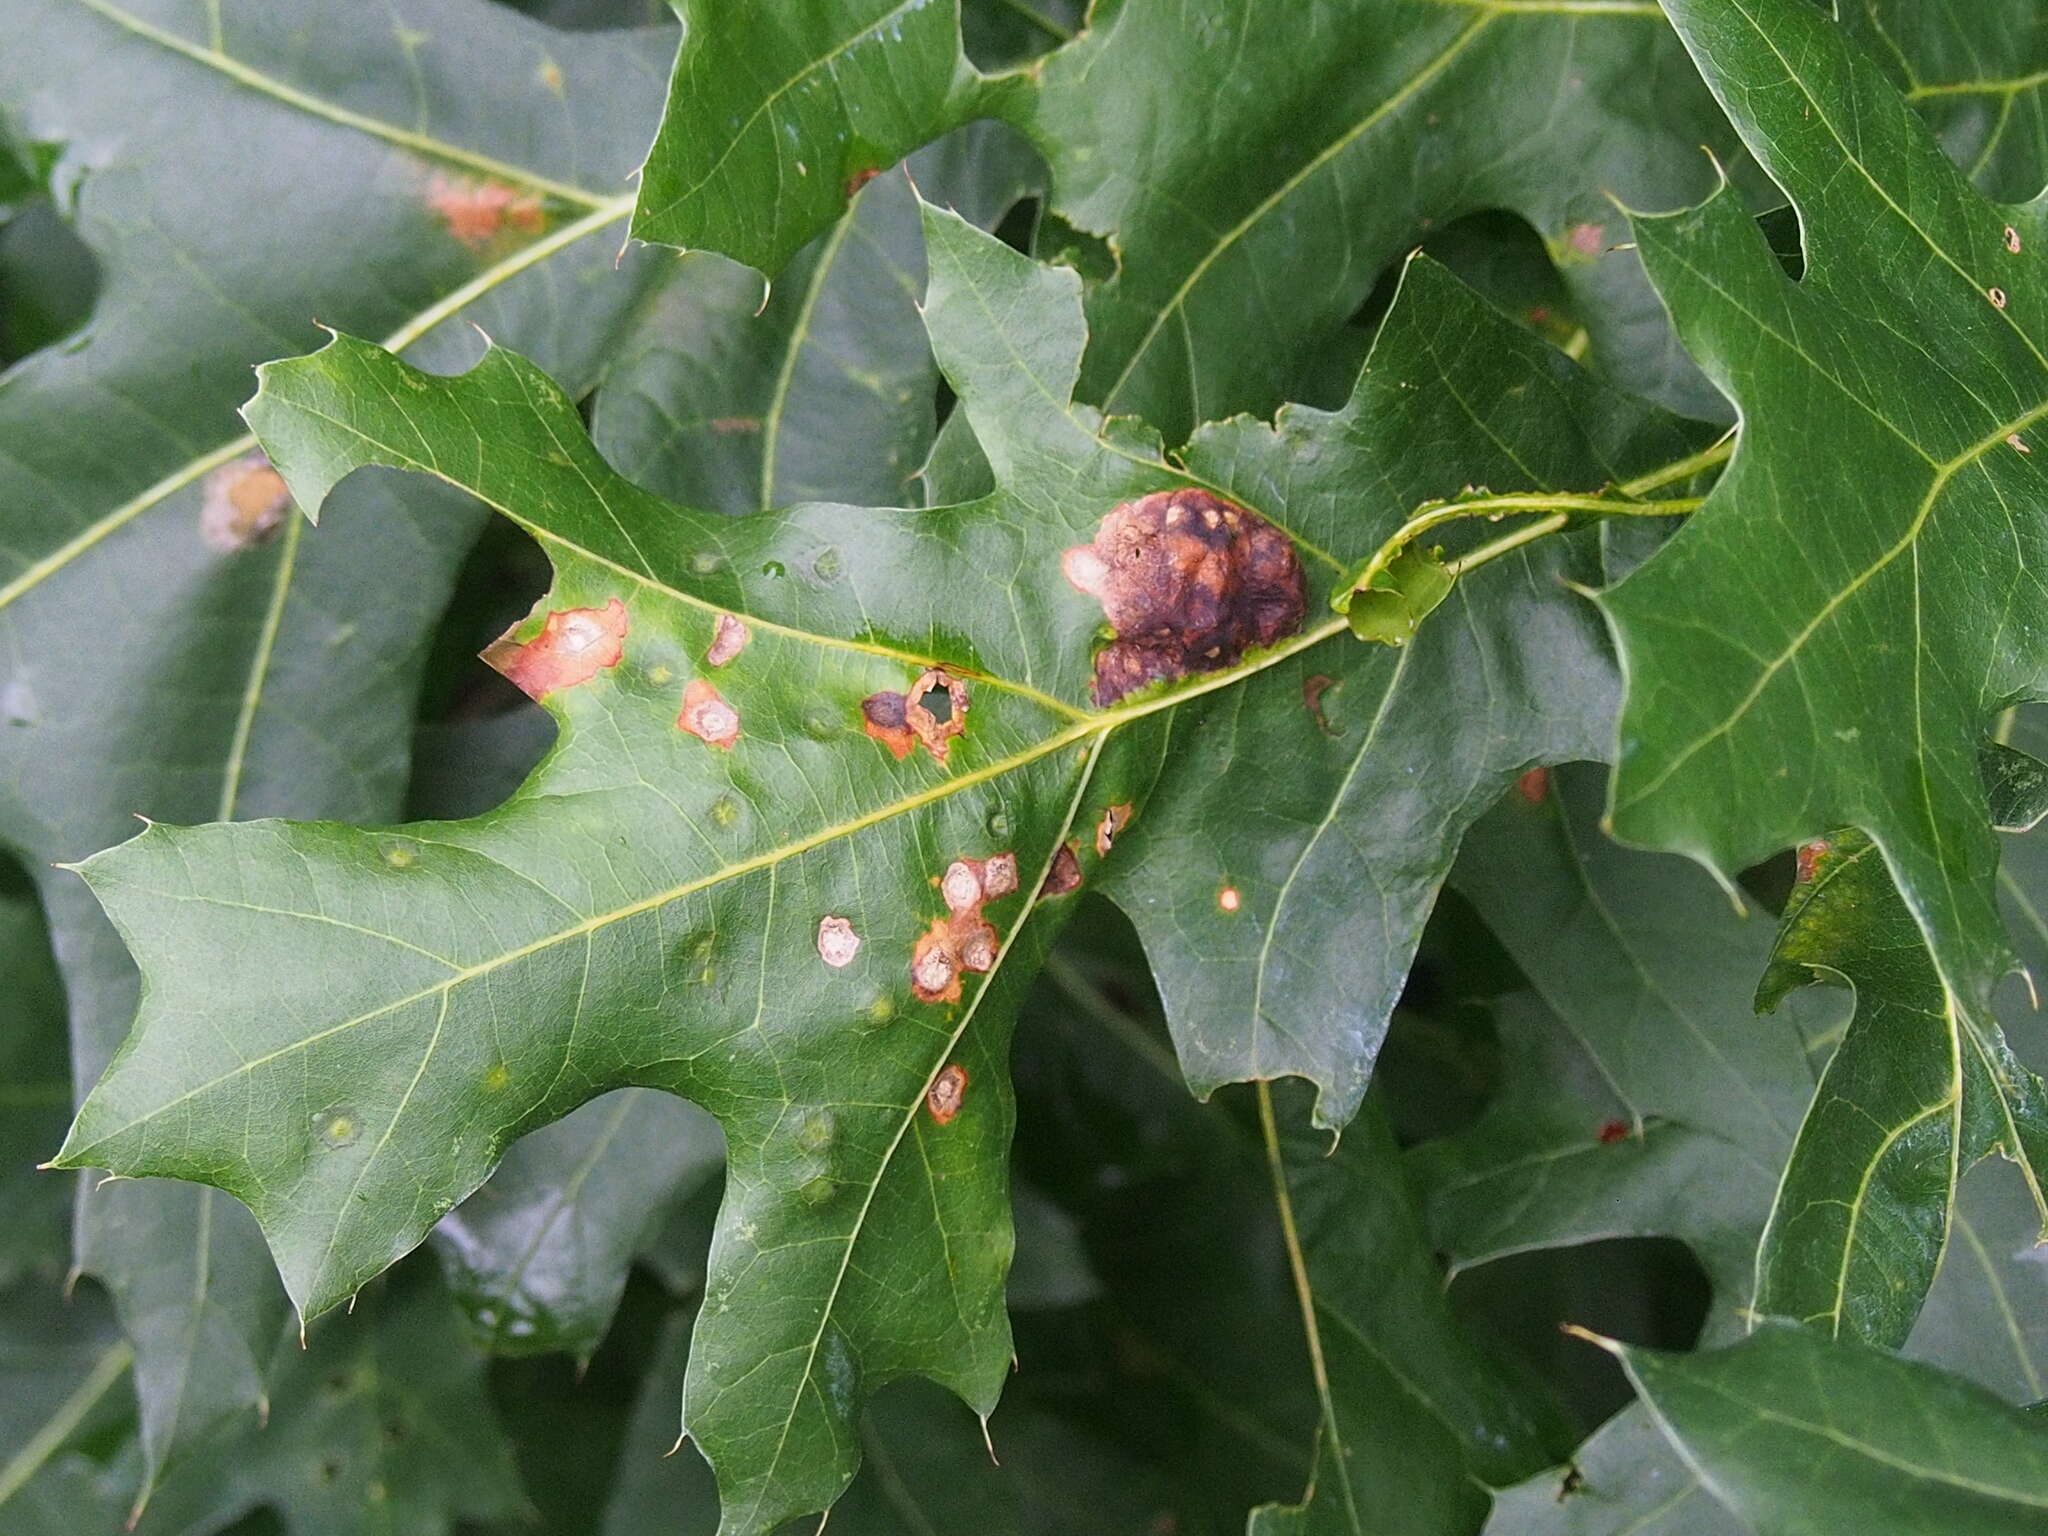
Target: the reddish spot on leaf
pixel 725 426
pixel 476 212
pixel 1613 1131
pixel 933 712
pixel 1114 820
pixel 837 942
pixel 1312 691
pixel 860 179
pixel 573 646
pixel 1808 859
pixel 1586 240
pixel 727 640
pixel 1189 582
pixel 963 940
pixel 1534 786
pixel 947 1093
pixel 1065 874
pixel 706 715
pixel 882 717
pixel 244 504
pixel 1228 899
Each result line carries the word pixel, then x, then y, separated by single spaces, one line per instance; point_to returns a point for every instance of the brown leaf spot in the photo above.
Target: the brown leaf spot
pixel 727 640
pixel 1312 691
pixel 935 965
pixel 1996 296
pixel 1228 899
pixel 2012 240
pixel 837 942
pixel 999 876
pixel 476 212
pixel 726 426
pixel 1064 876
pixel 947 1093
pixel 882 717
pixel 1807 860
pixel 963 940
pixel 933 712
pixel 860 179
pixel 961 886
pixel 244 504
pixel 1114 820
pixel 1534 786
pixel 1613 1131
pixel 573 646
pixel 706 715
pixel 1189 582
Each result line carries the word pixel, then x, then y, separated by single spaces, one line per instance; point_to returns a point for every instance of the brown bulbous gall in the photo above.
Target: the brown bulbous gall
pixel 1189 582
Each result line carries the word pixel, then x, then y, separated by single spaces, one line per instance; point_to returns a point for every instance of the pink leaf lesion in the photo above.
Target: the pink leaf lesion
pixel 477 212
pixel 708 716
pixel 573 646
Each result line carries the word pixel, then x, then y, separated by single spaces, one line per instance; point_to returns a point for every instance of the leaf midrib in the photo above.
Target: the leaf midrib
pixel 1101 723
pixel 909 1117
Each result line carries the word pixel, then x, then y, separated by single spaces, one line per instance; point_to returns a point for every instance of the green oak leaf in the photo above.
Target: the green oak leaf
pixel 64 1374
pixel 1334 868
pixel 1921 1088
pixel 1827 640
pixel 460 983
pixel 35 1089
pixel 1643 1096
pixel 776 114
pixel 1799 1435
pixel 826 394
pixel 1626 1480
pixel 1305 149
pixel 538 1256
pixel 275 678
pixel 1977 71
pixel 380 1421
pixel 1987 1316
pixel 1417 1420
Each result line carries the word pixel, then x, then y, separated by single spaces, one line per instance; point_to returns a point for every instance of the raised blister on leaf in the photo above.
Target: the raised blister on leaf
pixel 946 1094
pixel 573 646
pixel 727 640
pixel 1189 582
pixel 708 716
pixel 837 942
